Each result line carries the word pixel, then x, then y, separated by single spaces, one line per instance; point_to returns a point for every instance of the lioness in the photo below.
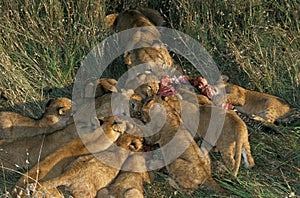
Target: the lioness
pixel 89 173
pixel 56 116
pixel 192 166
pixel 145 46
pixel 134 18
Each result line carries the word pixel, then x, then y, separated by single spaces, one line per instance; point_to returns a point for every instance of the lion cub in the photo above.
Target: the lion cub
pixel 93 142
pixel 90 173
pixel 261 106
pixel 230 138
pixel 129 182
pixel 57 115
pixel 185 162
pixel 233 140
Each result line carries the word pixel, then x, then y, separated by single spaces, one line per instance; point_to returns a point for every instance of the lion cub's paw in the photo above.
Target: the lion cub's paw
pixel 133 193
pixel 119 126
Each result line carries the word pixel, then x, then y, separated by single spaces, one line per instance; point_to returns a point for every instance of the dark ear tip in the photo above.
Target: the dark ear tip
pixel 49 102
pixel 101 121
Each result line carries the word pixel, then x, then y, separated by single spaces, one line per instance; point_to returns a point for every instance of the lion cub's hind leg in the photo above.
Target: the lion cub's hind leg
pixel 234 143
pixel 228 155
pixel 243 149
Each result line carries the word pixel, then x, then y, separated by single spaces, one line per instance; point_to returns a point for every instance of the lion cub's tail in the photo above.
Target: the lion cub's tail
pixel 292 118
pixel 242 148
pixel 238 156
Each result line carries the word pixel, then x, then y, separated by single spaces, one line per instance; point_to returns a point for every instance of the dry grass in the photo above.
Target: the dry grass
pixel 256 43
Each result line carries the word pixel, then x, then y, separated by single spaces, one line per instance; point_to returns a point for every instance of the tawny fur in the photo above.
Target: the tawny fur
pixel 56 116
pixel 134 18
pixel 144 85
pixel 145 92
pixel 32 149
pixel 85 176
pixel 129 182
pixel 101 105
pixel 192 167
pixel 97 99
pixel 14 154
pixel 100 87
pixel 233 137
pixel 105 101
pixel 145 45
pixel 88 143
pixel 261 106
pixel 230 138
pixel 90 173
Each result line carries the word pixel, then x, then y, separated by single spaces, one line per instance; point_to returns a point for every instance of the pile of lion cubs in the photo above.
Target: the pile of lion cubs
pixel 93 165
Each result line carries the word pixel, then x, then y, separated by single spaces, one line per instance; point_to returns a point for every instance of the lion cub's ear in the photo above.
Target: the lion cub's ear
pixel 109 20
pixel 61 111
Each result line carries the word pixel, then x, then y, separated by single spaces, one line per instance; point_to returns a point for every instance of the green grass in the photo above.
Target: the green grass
pixel 256 43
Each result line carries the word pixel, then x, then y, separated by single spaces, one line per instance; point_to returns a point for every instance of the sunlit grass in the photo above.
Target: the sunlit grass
pixel 256 43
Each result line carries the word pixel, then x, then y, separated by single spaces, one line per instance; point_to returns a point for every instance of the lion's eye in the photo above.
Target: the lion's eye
pixel 149 87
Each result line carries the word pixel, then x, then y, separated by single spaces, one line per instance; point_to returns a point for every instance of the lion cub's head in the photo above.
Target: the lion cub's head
pixel 132 139
pixel 58 112
pixel 147 89
pixel 127 135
